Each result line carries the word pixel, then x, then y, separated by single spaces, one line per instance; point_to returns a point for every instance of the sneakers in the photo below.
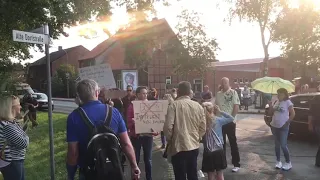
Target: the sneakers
pixel 278 165
pixel 287 166
pixel 235 169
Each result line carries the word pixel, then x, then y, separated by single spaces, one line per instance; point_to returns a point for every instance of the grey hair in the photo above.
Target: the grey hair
pixel 86 90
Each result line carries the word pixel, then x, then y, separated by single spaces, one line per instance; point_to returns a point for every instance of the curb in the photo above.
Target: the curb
pixel 250 112
pixel 63 99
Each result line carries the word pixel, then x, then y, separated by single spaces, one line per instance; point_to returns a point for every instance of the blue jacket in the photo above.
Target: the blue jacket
pixel 220 121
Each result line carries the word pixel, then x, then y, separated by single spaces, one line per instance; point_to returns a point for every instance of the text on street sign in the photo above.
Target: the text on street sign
pixel 28 37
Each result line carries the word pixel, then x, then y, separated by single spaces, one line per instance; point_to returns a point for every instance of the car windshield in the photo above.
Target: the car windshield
pixel 39 96
pixel 22 92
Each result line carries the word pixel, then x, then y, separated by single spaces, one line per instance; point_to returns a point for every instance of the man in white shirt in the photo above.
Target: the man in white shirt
pixel 228 101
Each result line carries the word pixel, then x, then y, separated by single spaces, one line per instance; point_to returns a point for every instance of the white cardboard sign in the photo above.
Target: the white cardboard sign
pixel 149 115
pixel 101 73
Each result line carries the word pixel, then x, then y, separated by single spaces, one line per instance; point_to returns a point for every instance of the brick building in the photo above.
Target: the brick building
pixel 243 72
pixel 160 72
pixel 37 72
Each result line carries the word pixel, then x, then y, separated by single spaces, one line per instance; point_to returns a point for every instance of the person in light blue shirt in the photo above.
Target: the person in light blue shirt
pixel 283 114
pixel 215 162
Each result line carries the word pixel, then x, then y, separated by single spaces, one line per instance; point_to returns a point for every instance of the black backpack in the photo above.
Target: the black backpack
pixel 104 158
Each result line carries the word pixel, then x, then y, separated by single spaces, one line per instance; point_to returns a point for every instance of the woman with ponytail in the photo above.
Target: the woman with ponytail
pixel 215 162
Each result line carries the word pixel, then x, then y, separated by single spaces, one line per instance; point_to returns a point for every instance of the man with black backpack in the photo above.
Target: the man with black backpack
pixel 97 136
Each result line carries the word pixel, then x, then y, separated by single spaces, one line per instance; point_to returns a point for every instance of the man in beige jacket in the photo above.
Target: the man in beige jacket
pixel 184 127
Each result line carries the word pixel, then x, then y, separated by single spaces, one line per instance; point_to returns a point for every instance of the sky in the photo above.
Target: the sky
pixel 240 40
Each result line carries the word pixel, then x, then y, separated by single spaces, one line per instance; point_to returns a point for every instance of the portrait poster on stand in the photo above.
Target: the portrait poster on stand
pixel 130 77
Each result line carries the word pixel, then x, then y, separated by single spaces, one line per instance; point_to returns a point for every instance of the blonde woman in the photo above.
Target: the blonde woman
pixel 13 140
pixel 215 162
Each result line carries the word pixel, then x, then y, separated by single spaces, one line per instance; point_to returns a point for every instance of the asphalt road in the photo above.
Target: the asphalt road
pixel 256 147
pixel 64 106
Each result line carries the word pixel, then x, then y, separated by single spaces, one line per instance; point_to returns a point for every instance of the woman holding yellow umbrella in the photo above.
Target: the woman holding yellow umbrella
pixel 282 114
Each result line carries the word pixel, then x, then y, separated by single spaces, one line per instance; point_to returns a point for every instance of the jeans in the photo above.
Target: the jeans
pixel 230 131
pixel 146 142
pixel 163 138
pixel 185 165
pixel 318 157
pixel 317 131
pixel 280 138
pixel 14 171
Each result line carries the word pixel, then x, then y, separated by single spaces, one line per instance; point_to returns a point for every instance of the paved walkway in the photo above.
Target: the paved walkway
pixel 251 110
pixel 257 158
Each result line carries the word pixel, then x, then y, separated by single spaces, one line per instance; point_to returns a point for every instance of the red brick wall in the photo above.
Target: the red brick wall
pixel 71 58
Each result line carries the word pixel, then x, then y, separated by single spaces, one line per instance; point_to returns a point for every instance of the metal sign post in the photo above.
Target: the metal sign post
pixel 41 38
pixel 52 164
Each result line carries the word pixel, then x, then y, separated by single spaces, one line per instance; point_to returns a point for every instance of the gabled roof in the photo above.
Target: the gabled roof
pixel 54 56
pixel 130 33
pixel 99 49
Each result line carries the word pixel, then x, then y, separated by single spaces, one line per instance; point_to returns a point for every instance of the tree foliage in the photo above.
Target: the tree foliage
pixel 31 14
pixel 298 30
pixel 263 12
pixel 10 73
pixel 61 79
pixel 192 50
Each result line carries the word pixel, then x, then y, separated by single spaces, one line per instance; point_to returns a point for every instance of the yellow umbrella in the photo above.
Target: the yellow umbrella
pixel 270 85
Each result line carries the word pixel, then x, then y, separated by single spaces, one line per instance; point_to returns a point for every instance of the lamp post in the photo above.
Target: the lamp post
pixel 67 74
pixel 67 77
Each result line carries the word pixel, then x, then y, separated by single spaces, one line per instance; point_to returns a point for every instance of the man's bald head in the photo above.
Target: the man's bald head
pixel 225 83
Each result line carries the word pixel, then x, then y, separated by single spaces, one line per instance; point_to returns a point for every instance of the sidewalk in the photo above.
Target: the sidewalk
pixel 251 110
pixel 256 163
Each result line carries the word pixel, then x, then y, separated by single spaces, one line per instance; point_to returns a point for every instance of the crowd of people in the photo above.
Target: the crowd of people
pixel 188 123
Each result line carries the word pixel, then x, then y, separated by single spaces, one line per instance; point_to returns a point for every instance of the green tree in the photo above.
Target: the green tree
pixel 61 80
pixel 31 14
pixel 298 30
pixel 10 73
pixel 263 12
pixel 193 50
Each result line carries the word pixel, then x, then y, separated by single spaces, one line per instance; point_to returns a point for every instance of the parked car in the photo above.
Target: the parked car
pixel 36 91
pixel 42 100
pixel 22 89
pixel 301 104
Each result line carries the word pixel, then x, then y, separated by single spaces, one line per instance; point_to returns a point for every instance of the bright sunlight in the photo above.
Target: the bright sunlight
pixel 296 3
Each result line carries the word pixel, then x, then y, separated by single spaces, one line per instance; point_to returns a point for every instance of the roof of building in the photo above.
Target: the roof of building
pixel 247 65
pixel 99 49
pixel 130 32
pixel 54 56
pixel 241 62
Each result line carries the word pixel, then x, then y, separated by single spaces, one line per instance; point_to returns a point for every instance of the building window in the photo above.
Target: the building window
pixel 246 81
pixel 198 85
pixel 87 63
pixel 168 79
pixel 235 81
pixel 240 80
pixel 119 84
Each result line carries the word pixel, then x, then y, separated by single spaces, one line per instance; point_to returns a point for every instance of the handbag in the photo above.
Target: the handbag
pixel 268 115
pixel 212 141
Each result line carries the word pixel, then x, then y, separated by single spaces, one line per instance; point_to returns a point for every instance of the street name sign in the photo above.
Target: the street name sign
pixel 28 37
